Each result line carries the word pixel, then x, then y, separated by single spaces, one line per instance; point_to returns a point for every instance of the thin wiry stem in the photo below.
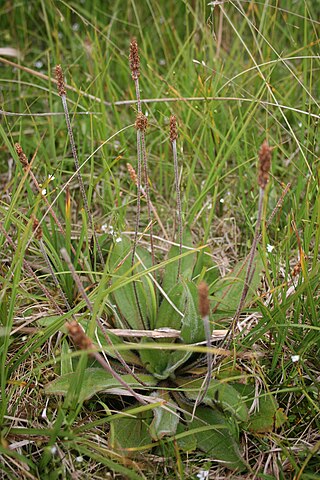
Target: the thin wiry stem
pixel 145 171
pixel 62 93
pixel 133 176
pixel 173 139
pixel 134 62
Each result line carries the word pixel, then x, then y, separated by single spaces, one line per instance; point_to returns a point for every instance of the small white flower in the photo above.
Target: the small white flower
pixel 300 124
pixel 118 240
pixel 116 145
pixel 107 229
pixel 269 248
pixel 221 200
pixel 203 475
pixel 79 459
pixel 295 358
pixel 24 338
pixel 44 191
pixel 162 62
pixel 53 450
pixel 75 27
pixel 50 177
pixel 38 64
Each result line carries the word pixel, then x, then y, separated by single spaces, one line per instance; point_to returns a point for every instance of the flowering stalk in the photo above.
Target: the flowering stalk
pixel 63 95
pixel 173 140
pixel 263 179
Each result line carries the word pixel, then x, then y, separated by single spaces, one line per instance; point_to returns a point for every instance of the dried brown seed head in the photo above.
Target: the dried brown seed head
pixel 60 80
pixel 141 122
pixel 80 339
pixel 36 227
pixel 296 270
pixel 173 128
pixel 132 173
pixel 265 153
pixel 22 157
pixel 203 295
pixel 134 59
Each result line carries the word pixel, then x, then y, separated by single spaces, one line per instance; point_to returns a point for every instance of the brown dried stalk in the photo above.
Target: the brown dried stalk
pixel 173 140
pixel 62 93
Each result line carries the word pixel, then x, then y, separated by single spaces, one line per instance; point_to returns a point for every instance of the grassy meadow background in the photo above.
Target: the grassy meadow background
pixel 234 74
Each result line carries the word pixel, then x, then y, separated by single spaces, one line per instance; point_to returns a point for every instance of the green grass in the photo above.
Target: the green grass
pixel 255 67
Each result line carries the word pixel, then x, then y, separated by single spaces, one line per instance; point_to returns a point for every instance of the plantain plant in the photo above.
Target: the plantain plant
pixel 156 357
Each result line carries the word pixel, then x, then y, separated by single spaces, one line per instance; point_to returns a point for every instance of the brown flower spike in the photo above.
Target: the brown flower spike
pixel 60 80
pixel 173 128
pixel 264 164
pixel 36 227
pixel 80 339
pixel 203 294
pixel 132 173
pixel 134 59
pixel 22 156
pixel 141 122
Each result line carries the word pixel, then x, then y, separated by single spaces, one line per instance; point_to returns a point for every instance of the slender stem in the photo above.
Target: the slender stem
pixel 250 268
pixel 81 185
pixel 177 186
pixel 147 193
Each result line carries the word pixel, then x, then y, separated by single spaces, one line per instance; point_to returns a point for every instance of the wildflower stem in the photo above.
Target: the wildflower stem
pixel 62 93
pixel 173 139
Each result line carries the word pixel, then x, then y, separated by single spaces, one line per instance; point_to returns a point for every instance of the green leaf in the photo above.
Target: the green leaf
pixel 166 419
pixel 96 380
pixel 66 360
pixel 188 442
pixel 206 268
pixel 263 421
pixel 228 290
pixel 218 393
pixel 135 314
pixel 162 363
pixel 267 416
pixel 167 315
pixel 192 329
pixel 184 296
pixel 130 435
pixel 171 270
pixel 127 355
pixel 220 441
